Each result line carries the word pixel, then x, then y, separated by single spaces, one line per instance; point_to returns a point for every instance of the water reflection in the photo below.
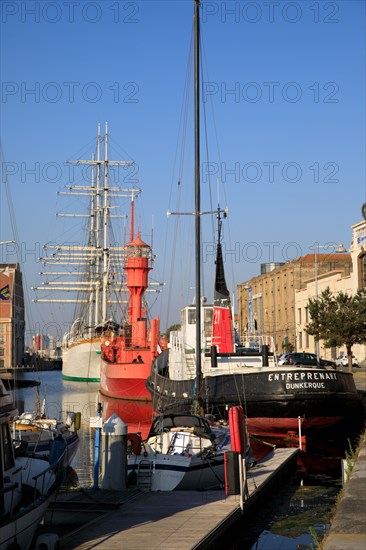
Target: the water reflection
pixel 63 396
pixel 136 414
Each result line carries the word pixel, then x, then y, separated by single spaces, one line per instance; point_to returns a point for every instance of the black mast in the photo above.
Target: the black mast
pixel 197 199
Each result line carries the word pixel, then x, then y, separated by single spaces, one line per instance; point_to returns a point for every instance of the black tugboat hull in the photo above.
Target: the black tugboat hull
pixel 323 395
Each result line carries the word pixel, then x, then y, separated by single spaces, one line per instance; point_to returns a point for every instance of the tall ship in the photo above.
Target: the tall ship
pixel 90 275
pixel 205 367
pixel 127 354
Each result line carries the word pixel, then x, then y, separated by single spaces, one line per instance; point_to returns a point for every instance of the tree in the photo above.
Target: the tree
pixel 172 327
pixel 338 319
pixel 287 347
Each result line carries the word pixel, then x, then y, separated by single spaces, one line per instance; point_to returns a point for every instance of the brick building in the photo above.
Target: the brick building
pixel 12 318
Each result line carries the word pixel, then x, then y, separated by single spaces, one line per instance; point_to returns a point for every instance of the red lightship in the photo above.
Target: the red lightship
pixel 126 356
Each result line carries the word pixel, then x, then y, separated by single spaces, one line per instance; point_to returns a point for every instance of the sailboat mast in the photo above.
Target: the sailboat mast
pixel 197 191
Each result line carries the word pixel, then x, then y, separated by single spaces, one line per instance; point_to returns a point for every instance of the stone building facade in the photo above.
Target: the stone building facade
pixel 267 304
pixel 275 303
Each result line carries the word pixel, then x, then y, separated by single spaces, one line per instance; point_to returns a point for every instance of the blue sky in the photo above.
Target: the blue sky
pixel 284 90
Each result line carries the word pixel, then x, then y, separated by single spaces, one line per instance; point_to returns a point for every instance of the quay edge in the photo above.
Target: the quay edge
pixel 348 526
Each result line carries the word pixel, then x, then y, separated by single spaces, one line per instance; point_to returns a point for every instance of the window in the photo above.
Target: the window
pixel 207 321
pixel 299 314
pixel 183 317
pixel 300 339
pixel 191 316
pixel 307 314
pixel 363 271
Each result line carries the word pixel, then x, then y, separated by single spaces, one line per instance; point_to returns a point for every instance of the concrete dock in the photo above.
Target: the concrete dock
pixel 179 519
pixel 348 527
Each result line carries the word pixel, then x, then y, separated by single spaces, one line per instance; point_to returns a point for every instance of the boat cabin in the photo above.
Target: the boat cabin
pixel 188 326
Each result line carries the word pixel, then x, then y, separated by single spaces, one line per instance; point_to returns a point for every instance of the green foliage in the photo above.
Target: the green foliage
pixel 350 456
pixel 287 346
pixel 316 540
pixel 172 327
pixel 338 319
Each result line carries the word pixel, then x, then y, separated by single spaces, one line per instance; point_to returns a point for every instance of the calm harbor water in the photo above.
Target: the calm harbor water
pixel 293 518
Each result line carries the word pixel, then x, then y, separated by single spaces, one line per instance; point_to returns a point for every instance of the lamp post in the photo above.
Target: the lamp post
pixel 339 250
pixel 250 309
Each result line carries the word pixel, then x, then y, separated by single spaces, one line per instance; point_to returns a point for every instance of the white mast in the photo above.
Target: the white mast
pixel 97 231
pixel 105 229
pixel 89 266
pixel 91 243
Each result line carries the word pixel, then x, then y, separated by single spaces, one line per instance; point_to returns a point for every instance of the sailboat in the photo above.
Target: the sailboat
pixel 186 449
pixel 181 452
pixel 27 486
pixel 34 432
pixel 204 364
pixel 90 272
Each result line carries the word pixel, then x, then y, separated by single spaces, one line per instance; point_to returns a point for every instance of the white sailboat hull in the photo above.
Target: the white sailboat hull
pixel 20 529
pixel 177 472
pixel 81 361
pixel 23 528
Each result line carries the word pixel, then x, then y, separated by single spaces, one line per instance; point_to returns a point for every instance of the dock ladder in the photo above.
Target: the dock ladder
pixel 144 475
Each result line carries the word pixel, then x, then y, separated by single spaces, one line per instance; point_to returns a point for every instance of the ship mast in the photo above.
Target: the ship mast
pixel 105 228
pixel 197 201
pixel 93 262
pixel 91 241
pixel 97 230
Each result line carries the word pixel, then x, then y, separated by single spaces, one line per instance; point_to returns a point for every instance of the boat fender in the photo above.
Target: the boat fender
pixel 135 441
pixel 72 476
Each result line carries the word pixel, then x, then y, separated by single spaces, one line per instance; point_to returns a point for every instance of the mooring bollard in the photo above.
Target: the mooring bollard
pixel 97 423
pixel 114 454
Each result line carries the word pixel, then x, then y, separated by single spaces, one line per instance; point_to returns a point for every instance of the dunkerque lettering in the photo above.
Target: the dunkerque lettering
pixel 306 385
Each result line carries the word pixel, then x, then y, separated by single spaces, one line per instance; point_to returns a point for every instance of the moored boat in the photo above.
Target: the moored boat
pixel 27 487
pixel 127 355
pixel 34 435
pixel 272 396
pixel 188 451
pixel 181 452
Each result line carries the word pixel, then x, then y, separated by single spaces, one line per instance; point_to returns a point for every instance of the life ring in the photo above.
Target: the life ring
pixel 135 441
